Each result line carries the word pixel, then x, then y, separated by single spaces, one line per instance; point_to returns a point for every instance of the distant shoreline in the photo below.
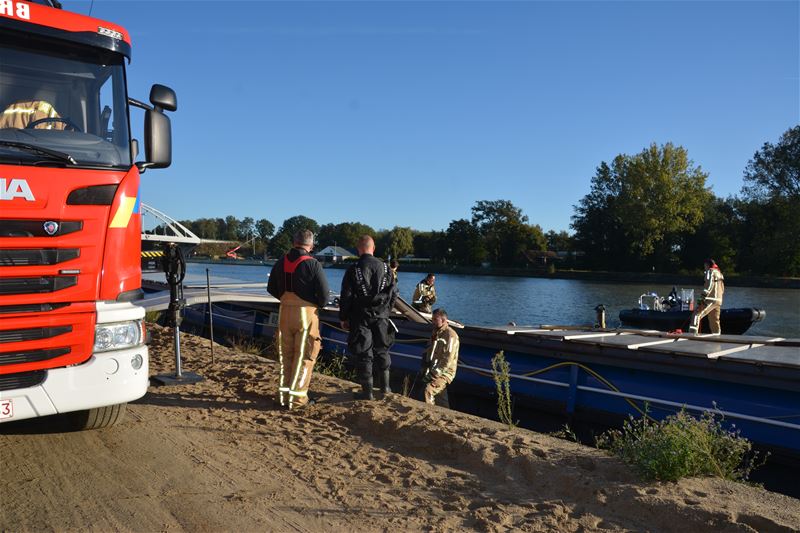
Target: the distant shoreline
pixel 602 277
pixel 654 279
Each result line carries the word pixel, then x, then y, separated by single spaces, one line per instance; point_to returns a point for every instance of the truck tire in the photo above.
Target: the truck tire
pixel 100 417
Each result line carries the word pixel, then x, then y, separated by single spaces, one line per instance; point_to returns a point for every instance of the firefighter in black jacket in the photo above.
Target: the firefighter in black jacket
pixel 369 291
pixel 298 281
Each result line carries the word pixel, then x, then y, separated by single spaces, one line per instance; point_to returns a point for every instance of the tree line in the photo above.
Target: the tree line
pixel 644 212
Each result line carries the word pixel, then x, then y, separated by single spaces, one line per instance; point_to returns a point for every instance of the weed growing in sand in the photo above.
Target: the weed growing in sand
pixel 152 317
pixel 246 345
pixel 566 433
pixel 682 445
pixel 335 364
pixel 407 384
pixel 500 374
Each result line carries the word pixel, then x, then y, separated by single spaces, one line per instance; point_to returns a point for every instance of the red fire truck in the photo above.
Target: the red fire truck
pixel 71 340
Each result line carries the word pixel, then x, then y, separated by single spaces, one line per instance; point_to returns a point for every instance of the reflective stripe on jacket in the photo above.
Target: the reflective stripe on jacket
pixel 442 354
pixel 20 114
pixel 714 285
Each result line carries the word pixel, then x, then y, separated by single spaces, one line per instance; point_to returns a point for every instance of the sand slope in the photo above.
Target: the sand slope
pixel 220 455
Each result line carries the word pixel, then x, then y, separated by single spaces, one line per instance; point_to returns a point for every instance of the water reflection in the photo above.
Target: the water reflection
pixel 491 300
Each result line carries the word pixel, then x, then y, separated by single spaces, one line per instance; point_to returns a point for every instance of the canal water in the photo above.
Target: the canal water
pixel 493 300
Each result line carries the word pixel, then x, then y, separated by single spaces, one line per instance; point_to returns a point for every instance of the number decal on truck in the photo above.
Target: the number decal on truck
pixel 20 10
pixel 6 409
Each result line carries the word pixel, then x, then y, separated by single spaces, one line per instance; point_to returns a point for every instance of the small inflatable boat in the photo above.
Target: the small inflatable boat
pixel 675 313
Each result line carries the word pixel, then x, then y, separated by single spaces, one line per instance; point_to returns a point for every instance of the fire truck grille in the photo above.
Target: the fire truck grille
pixel 22 380
pixel 31 356
pixel 36 228
pixel 32 334
pixel 34 257
pixel 36 285
pixel 30 308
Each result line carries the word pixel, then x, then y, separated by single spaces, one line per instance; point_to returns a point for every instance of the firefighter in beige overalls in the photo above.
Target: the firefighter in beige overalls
pixel 713 290
pixel 424 294
pixel 441 359
pixel 298 281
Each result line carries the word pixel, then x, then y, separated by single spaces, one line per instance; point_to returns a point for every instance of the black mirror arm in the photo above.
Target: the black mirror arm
pixel 141 105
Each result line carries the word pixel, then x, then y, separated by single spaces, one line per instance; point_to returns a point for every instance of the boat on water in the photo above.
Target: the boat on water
pixel 596 375
pixel 674 313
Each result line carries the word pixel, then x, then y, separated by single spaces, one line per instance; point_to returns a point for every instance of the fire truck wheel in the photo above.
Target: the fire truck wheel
pixel 100 417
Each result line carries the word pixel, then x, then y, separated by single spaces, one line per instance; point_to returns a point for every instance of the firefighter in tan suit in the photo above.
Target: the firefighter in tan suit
pixel 21 114
pixel 713 290
pixel 299 282
pixel 441 359
pixel 424 294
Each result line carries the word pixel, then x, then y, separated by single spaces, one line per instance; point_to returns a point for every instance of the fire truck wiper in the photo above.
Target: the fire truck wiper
pixel 62 156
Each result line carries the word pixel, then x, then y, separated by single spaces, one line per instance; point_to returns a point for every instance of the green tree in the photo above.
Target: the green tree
pixel 640 208
pixel 400 242
pixel 206 228
pixel 282 241
pixel 774 171
pixel 246 229
pixel 430 244
pixel 344 234
pixel 771 208
pixel 718 237
pixel 506 232
pixel 265 229
pixel 232 228
pixel 465 243
pixel 559 241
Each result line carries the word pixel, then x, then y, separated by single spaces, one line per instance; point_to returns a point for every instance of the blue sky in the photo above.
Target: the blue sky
pixel 407 113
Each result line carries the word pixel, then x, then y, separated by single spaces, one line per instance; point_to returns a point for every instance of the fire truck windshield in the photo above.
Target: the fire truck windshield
pixel 63 98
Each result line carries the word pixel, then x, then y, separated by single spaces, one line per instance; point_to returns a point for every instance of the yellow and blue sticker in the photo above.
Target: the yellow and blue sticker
pixel 126 208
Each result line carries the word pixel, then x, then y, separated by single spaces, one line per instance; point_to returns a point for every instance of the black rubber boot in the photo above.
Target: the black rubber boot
pixel 385 384
pixel 366 390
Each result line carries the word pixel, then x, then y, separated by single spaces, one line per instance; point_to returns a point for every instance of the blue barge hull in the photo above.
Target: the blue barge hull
pixel 753 382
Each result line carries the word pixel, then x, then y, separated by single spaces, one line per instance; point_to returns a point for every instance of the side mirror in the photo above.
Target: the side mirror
pixel 157 139
pixel 163 98
pixel 157 127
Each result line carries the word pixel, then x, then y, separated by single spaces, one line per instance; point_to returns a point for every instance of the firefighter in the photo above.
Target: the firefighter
pixel 441 359
pixel 368 294
pixel 711 304
pixel 424 294
pixel 21 114
pixel 299 282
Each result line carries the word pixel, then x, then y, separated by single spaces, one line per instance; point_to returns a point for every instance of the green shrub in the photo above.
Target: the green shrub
pixel 681 446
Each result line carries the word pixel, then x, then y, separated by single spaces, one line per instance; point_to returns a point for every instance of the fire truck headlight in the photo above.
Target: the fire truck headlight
pixel 118 336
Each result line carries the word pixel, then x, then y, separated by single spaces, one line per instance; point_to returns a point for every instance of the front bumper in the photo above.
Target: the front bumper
pixel 105 379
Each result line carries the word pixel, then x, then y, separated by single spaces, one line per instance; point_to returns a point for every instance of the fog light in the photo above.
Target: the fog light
pixel 137 361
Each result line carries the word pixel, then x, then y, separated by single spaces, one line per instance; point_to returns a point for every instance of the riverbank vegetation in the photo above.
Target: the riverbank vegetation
pixel 647 212
pixel 682 446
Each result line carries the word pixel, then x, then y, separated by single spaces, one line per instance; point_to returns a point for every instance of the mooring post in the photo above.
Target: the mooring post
pixel 210 315
pixel 600 312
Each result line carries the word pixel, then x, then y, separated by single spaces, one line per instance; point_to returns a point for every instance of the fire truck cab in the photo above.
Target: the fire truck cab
pixel 71 341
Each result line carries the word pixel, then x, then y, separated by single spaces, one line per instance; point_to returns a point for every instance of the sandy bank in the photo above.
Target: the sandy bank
pixel 220 455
